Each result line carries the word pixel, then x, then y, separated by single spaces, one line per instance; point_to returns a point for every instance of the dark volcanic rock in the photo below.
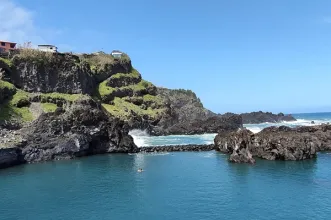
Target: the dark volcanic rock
pixel 84 128
pixel 237 144
pixel 185 114
pixel 9 157
pixel 262 117
pixel 111 69
pixel 278 143
pixel 242 155
pixel 5 93
pixel 123 81
pixel 59 73
pixel 213 124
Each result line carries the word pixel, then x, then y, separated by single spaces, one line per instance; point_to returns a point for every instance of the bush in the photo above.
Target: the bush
pixel 34 55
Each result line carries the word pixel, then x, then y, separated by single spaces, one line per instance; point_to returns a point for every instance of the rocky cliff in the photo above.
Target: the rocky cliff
pixel 263 117
pixel 185 114
pixel 79 129
pixel 275 143
pixel 58 106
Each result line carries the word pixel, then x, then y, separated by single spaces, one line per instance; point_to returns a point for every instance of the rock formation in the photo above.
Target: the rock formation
pixel 185 114
pixel 81 129
pixel 275 143
pixel 262 117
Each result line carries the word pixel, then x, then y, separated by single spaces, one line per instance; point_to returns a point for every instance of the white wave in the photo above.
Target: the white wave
pixel 142 139
pixel 139 137
pixel 255 128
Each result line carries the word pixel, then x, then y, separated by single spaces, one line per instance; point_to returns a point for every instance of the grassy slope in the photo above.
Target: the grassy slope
pixel 9 109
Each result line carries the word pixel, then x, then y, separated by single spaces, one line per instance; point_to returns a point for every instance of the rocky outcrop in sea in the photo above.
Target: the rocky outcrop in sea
pixel 263 117
pixel 275 143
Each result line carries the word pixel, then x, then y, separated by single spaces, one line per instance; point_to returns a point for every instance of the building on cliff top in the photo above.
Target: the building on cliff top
pixel 7 46
pixel 47 48
pixel 116 54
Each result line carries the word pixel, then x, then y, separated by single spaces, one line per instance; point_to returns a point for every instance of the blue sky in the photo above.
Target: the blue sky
pixel 236 55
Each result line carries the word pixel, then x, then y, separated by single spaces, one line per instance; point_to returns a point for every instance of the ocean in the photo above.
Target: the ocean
pixel 142 139
pixel 183 185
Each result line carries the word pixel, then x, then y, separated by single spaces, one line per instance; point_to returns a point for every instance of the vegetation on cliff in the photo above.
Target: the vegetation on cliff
pixel 15 107
pixel 54 80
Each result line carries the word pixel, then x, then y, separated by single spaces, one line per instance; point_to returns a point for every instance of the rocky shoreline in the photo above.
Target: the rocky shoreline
pixel 64 106
pixel 242 146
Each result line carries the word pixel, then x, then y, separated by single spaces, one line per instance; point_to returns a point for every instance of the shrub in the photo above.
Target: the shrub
pixel 34 55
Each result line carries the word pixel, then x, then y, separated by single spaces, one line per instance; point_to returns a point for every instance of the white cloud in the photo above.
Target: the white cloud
pixel 17 24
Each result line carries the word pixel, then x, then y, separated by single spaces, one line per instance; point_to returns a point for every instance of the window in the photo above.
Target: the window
pixel 3 44
pixel 12 45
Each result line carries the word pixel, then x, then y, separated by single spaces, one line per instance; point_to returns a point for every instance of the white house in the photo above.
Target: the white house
pixel 47 48
pixel 116 54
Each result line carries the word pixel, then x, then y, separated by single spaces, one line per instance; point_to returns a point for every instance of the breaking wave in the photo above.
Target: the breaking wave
pixel 255 128
pixel 142 139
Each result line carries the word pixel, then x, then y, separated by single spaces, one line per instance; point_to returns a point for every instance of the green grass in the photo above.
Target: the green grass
pixel 4 84
pixel 105 90
pixel 62 96
pixel 19 96
pixel 122 109
pixel 49 107
pixel 153 99
pixel 9 111
pixel 99 62
pixel 133 74
pixel 7 61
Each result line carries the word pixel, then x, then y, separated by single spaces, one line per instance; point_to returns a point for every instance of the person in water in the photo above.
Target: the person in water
pixel 140 170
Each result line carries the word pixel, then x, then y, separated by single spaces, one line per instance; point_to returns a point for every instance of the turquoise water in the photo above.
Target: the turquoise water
pixel 190 186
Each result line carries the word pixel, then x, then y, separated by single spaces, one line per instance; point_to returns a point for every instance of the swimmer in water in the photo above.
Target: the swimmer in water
pixel 140 170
